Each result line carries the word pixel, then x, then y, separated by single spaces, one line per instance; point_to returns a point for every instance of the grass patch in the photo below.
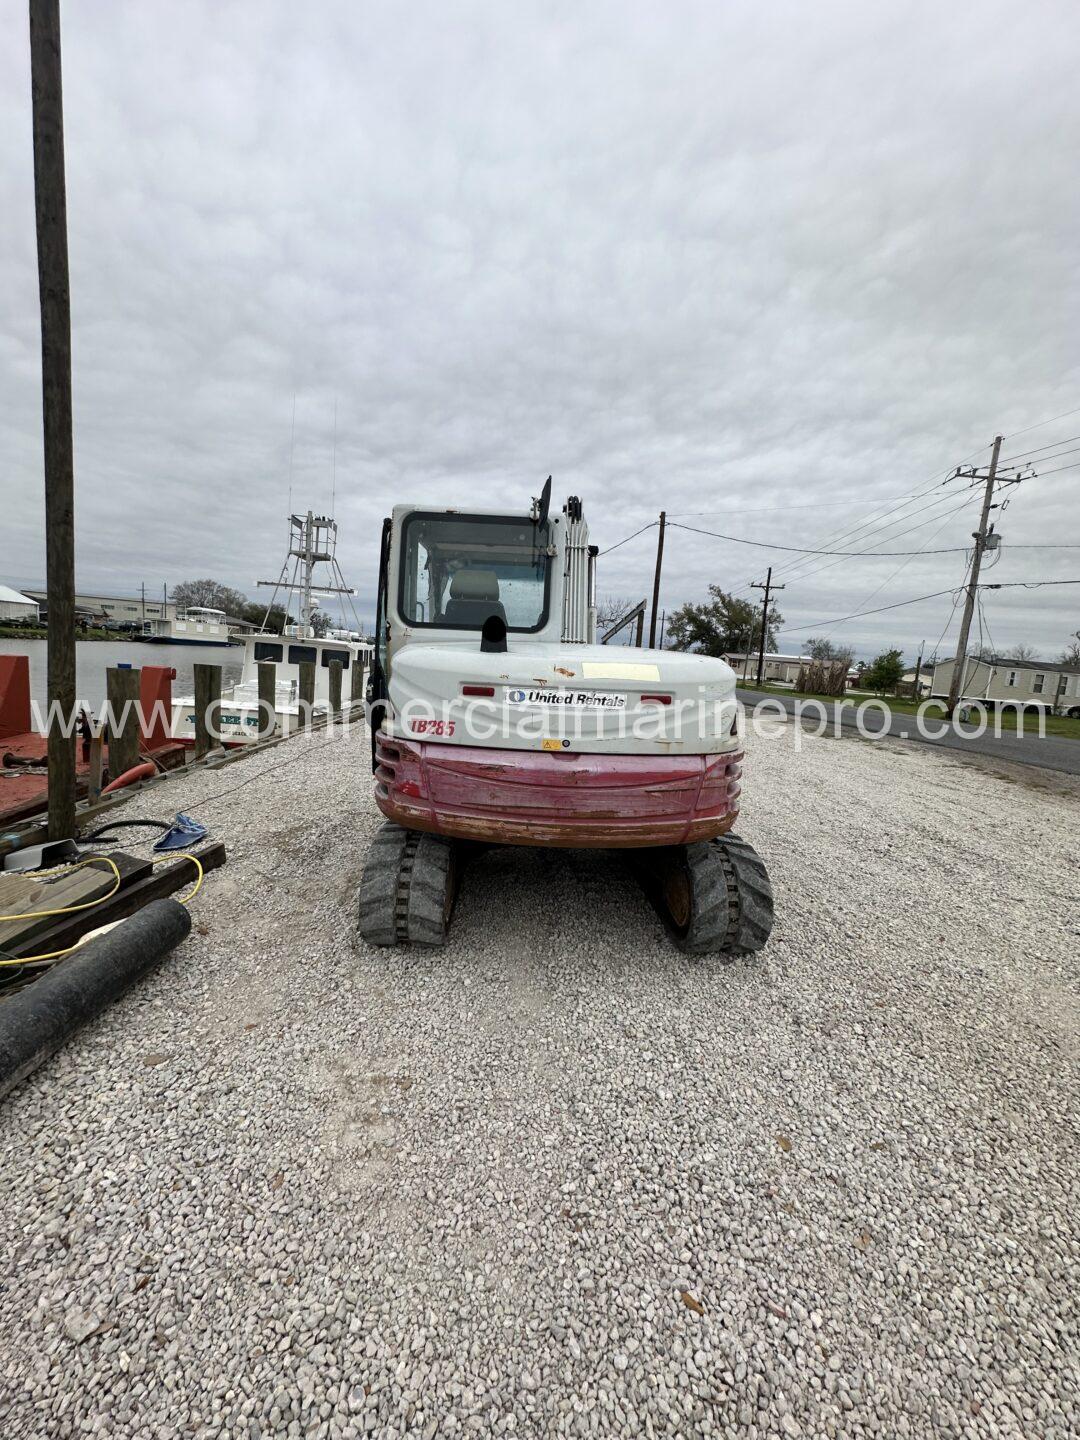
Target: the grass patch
pixel 40 632
pixel 1060 726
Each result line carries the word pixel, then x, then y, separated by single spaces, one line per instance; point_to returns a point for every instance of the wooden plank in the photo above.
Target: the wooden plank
pixel 356 684
pixel 164 880
pixel 21 895
pixel 207 708
pixel 93 784
pixel 122 693
pixel 267 673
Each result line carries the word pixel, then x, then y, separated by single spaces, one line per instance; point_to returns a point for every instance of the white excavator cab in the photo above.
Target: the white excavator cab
pixel 498 720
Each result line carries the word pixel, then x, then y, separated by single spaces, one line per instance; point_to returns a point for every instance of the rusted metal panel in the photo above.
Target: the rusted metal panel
pixel 561 799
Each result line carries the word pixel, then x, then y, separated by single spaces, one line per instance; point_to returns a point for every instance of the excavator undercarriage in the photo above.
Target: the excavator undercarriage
pixel 713 896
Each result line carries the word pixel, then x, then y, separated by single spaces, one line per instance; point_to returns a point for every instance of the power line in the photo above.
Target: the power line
pixel 803 550
pixel 905 563
pixel 1038 426
pixel 779 509
pixel 793 572
pixel 1028 465
pixel 875 522
pixel 629 538
pixel 1040 448
pixel 948 622
pixel 874 519
pixel 1027 584
pixel 934 595
pixel 1040 473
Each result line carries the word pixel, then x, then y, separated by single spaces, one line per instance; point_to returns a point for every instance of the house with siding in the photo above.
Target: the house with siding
pixel 1042 684
pixel 782 669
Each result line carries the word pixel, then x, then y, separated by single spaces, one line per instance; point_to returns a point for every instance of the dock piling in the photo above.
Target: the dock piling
pixel 267 672
pixel 122 694
pixel 307 692
pixel 334 687
pixel 207 708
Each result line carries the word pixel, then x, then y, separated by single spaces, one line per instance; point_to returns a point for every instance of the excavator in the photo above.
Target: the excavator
pixel 496 719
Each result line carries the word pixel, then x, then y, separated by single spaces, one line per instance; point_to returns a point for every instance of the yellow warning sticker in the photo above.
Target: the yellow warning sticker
pixel 551 744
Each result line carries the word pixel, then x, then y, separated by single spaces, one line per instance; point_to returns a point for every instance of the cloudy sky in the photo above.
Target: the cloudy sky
pixel 775 268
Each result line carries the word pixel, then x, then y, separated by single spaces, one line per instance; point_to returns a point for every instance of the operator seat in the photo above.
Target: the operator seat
pixel 474 596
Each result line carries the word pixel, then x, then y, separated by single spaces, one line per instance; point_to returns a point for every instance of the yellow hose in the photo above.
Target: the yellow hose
pixel 89 904
pixel 85 905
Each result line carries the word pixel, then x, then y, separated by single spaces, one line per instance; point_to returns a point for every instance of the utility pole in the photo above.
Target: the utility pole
pixel 979 536
pixel 768 587
pixel 50 203
pixel 142 591
pixel 656 580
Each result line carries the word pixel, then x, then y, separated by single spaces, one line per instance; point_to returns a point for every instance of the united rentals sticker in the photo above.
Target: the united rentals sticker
pixel 568 699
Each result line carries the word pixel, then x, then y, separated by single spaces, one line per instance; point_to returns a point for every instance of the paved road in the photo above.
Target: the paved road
pixel 1052 752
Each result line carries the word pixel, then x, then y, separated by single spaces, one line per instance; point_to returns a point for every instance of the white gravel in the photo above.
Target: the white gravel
pixel 559 1179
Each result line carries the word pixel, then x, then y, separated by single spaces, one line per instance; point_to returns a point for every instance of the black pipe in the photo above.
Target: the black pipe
pixel 102 830
pixel 36 1022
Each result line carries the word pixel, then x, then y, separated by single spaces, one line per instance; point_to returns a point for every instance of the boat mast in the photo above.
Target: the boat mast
pixel 309 548
pixel 307 554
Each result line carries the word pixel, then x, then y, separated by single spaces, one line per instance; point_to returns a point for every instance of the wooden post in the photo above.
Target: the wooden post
pixel 122 694
pixel 334 679
pixel 306 692
pixel 356 684
pixel 97 746
pixel 50 197
pixel 207 708
pixel 267 672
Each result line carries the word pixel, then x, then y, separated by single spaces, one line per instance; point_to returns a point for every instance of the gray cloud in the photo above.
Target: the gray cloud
pixel 727 260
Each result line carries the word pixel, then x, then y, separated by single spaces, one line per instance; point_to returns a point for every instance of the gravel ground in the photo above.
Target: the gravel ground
pixel 559 1179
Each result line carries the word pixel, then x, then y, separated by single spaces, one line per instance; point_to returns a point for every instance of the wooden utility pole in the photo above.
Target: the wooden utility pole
pixel 50 202
pixel 960 664
pixel 768 587
pixel 656 580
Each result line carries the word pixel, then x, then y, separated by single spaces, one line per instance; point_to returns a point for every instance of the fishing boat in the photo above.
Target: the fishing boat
pixel 197 625
pixel 312 543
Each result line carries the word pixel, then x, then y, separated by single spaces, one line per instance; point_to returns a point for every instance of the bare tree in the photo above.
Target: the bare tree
pixel 1071 654
pixel 209 593
pixel 1023 653
pixel 819 648
pixel 610 608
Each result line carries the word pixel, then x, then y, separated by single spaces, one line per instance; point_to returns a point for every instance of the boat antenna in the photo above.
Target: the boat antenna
pixel 292 448
pixel 333 464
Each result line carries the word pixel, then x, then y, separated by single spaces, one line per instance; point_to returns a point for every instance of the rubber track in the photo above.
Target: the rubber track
pixel 406 889
pixel 731 899
pixel 747 883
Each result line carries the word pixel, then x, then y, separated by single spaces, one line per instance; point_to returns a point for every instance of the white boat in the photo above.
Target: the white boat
pixel 197 625
pixel 312 541
pixel 241 717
